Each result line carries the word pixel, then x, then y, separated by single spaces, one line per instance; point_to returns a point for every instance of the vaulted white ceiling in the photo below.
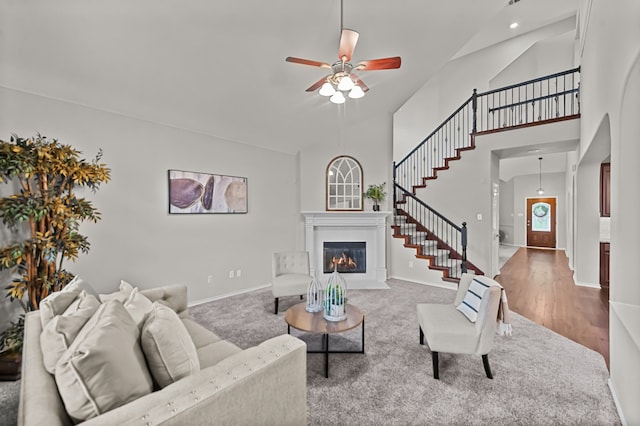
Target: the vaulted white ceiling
pixel 218 68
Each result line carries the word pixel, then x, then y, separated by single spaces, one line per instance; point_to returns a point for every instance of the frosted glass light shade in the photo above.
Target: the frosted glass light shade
pixel 337 98
pixel 356 92
pixel 327 89
pixel 345 84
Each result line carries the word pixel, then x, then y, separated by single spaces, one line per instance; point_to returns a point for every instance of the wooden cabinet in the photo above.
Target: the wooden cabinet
pixel 604 265
pixel 605 190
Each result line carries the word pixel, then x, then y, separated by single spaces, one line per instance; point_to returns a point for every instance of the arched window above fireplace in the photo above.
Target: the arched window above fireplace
pixel 344 184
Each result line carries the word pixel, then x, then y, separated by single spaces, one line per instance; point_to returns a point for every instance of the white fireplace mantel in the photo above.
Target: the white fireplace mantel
pixel 370 226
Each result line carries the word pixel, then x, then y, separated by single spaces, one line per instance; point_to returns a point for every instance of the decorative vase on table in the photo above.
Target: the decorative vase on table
pixel 335 298
pixel 314 295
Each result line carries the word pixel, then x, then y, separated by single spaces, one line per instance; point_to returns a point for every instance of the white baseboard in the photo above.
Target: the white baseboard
pixel 582 284
pixel 617 403
pixel 449 286
pixel 224 296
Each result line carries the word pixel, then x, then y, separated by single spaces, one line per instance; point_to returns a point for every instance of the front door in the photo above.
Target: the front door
pixel 541 222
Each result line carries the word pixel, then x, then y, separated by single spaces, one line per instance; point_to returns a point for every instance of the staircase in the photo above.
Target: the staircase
pixel 427 246
pixel 544 100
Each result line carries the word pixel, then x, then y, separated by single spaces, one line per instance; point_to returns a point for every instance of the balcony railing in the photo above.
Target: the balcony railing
pixel 550 98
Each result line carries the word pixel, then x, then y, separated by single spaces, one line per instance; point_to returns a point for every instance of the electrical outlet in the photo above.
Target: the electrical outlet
pixel 238 273
pixel 231 274
pixel 210 279
pixel 411 264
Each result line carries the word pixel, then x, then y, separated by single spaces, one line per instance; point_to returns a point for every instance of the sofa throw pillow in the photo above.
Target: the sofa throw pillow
pixel 62 330
pixel 138 306
pixel 57 302
pixel 84 285
pixel 167 346
pixel 470 305
pixel 121 295
pixel 104 367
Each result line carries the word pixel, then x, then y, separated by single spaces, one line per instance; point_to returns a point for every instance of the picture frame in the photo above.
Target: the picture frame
pixel 206 193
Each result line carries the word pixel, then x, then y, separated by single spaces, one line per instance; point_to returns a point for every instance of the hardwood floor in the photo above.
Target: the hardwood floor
pixel 540 287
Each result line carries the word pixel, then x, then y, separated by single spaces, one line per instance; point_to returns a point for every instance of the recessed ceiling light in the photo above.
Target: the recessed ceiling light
pixel 514 25
pixel 533 150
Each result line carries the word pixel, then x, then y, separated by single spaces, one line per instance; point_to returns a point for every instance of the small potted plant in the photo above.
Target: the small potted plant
pixel 376 193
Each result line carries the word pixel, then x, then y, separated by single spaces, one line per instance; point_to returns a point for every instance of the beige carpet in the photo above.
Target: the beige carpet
pixel 540 377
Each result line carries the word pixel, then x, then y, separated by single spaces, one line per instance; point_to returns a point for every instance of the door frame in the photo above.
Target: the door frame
pixel 525 220
pixel 495 229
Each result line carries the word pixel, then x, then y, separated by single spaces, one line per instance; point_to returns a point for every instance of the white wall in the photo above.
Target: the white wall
pixel 611 92
pixel 454 84
pixel 587 234
pixel 137 240
pixel 625 229
pixel 507 211
pixel 549 56
pixel 570 184
pixel 367 141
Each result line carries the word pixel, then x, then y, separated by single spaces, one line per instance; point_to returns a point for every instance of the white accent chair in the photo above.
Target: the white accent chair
pixel 447 330
pixel 290 274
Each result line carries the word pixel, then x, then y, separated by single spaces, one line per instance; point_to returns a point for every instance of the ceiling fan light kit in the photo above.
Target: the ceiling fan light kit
pixel 356 92
pixel 342 79
pixel 337 98
pixel 327 90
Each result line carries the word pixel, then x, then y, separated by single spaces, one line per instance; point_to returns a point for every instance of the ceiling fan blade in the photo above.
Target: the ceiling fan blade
pixel 358 82
pixel 348 42
pixel 379 64
pixel 307 62
pixel 315 86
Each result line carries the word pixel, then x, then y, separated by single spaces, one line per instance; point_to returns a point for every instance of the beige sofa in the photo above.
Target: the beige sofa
pixel 263 385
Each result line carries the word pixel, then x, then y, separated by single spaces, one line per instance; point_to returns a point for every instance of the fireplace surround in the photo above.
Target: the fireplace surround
pixel 362 226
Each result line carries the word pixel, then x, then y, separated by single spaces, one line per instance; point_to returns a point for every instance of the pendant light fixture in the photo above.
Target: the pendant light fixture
pixel 540 190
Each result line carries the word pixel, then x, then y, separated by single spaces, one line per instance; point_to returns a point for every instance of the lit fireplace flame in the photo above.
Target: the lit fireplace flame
pixel 343 262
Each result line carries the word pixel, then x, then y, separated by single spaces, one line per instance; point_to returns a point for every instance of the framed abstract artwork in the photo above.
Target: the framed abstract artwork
pixel 193 192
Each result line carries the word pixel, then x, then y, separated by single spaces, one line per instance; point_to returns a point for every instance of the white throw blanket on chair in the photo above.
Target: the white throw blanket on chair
pixel 504 316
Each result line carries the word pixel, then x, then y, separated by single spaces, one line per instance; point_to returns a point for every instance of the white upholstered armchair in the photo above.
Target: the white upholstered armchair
pixel 447 329
pixel 290 274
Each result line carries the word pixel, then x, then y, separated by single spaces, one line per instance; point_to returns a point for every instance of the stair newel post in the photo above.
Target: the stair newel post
pixel 474 107
pixel 463 239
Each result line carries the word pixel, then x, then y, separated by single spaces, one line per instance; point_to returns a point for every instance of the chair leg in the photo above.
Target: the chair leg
pixel 421 336
pixel 434 359
pixel 487 368
pixel 276 303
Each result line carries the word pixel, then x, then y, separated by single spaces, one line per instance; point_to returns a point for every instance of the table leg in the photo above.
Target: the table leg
pixel 362 336
pixel 326 357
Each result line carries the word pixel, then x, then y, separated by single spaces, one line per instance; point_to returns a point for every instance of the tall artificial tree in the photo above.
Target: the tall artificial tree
pixel 44 213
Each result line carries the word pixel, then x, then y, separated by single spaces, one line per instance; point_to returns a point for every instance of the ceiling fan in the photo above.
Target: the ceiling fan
pixel 342 78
